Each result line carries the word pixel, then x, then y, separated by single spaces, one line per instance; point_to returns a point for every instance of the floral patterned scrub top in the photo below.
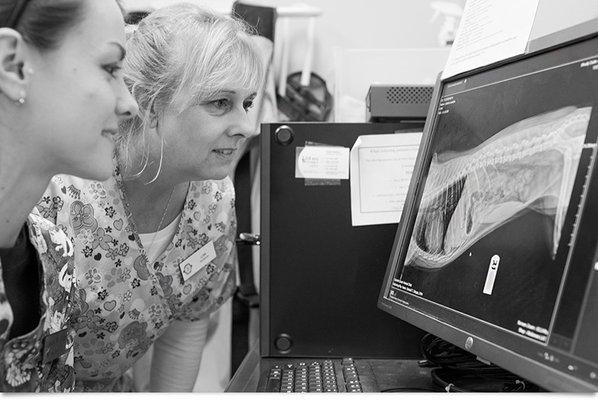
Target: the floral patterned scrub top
pixel 42 360
pixel 126 303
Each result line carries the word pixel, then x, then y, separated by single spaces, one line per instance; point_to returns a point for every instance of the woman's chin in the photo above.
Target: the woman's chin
pixel 99 171
pixel 217 177
pixel 214 174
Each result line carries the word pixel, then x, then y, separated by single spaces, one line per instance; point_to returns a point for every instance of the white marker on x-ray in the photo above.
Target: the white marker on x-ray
pixel 492 270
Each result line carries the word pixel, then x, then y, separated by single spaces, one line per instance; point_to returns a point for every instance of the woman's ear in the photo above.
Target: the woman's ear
pixel 14 74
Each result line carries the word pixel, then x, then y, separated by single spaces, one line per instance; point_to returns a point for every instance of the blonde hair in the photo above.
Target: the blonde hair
pixel 183 54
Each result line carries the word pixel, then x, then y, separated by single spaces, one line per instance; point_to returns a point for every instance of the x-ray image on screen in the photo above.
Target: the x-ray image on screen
pixel 528 165
pixel 499 194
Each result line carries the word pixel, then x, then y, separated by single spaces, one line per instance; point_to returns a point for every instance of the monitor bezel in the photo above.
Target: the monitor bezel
pixel 539 373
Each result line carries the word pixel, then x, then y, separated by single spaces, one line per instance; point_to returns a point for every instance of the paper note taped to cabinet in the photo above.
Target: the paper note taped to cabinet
pixel 322 162
pixel 381 168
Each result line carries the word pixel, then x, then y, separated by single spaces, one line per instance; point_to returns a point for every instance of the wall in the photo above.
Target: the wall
pixel 374 24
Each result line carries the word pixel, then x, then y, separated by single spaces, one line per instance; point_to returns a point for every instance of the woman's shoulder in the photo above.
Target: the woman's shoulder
pixel 42 359
pixel 66 191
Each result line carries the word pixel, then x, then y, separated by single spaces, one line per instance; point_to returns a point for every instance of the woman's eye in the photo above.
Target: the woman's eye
pixel 113 70
pixel 220 105
pixel 247 105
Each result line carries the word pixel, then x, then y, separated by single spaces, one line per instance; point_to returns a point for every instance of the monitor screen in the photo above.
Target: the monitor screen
pixel 496 251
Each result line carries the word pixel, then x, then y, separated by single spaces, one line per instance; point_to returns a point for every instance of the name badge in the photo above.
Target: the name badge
pixel 197 260
pixel 55 345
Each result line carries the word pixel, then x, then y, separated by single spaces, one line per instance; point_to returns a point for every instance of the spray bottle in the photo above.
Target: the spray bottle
pixel 452 13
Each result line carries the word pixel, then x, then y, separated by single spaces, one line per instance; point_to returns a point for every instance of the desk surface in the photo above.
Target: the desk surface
pixel 391 375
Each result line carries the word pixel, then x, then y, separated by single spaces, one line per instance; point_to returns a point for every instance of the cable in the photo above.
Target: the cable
pixel 456 381
pixel 456 370
pixel 440 353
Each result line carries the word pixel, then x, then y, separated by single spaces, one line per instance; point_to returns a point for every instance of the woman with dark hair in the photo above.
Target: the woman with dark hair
pixel 61 99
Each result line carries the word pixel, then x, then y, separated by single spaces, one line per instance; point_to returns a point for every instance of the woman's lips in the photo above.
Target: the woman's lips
pixel 109 132
pixel 225 152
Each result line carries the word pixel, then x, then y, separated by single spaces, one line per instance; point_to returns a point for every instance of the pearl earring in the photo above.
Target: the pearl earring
pixel 22 97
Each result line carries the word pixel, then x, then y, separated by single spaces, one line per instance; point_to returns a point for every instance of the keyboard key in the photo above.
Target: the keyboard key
pixel 273 385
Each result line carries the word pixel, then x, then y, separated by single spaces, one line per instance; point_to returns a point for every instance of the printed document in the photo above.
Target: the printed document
pixel 381 168
pixel 490 31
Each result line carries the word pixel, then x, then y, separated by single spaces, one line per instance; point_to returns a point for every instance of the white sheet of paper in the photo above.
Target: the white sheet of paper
pixel 381 168
pixel 490 31
pixel 322 162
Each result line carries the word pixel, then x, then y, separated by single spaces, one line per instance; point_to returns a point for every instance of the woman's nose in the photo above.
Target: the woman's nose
pixel 246 124
pixel 126 106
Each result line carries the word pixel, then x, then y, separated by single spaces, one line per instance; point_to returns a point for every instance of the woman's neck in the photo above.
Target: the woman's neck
pixel 154 204
pixel 21 187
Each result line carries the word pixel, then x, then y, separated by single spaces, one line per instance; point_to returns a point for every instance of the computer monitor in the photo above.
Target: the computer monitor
pixel 497 248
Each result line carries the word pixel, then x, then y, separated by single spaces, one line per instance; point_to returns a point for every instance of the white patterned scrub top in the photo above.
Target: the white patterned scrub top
pixel 42 360
pixel 126 303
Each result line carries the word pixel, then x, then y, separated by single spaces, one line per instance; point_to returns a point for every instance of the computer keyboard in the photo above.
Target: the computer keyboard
pixel 313 376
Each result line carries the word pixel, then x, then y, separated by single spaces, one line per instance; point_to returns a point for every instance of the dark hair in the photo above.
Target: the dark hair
pixel 42 23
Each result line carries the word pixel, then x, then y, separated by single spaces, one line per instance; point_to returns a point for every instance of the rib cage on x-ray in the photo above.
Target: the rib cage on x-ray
pixel 530 164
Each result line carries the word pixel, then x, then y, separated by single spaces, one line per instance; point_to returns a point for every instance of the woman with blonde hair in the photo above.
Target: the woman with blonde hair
pixel 155 244
pixel 61 98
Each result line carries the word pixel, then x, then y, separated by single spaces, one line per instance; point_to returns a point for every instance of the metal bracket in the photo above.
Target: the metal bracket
pixel 252 239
